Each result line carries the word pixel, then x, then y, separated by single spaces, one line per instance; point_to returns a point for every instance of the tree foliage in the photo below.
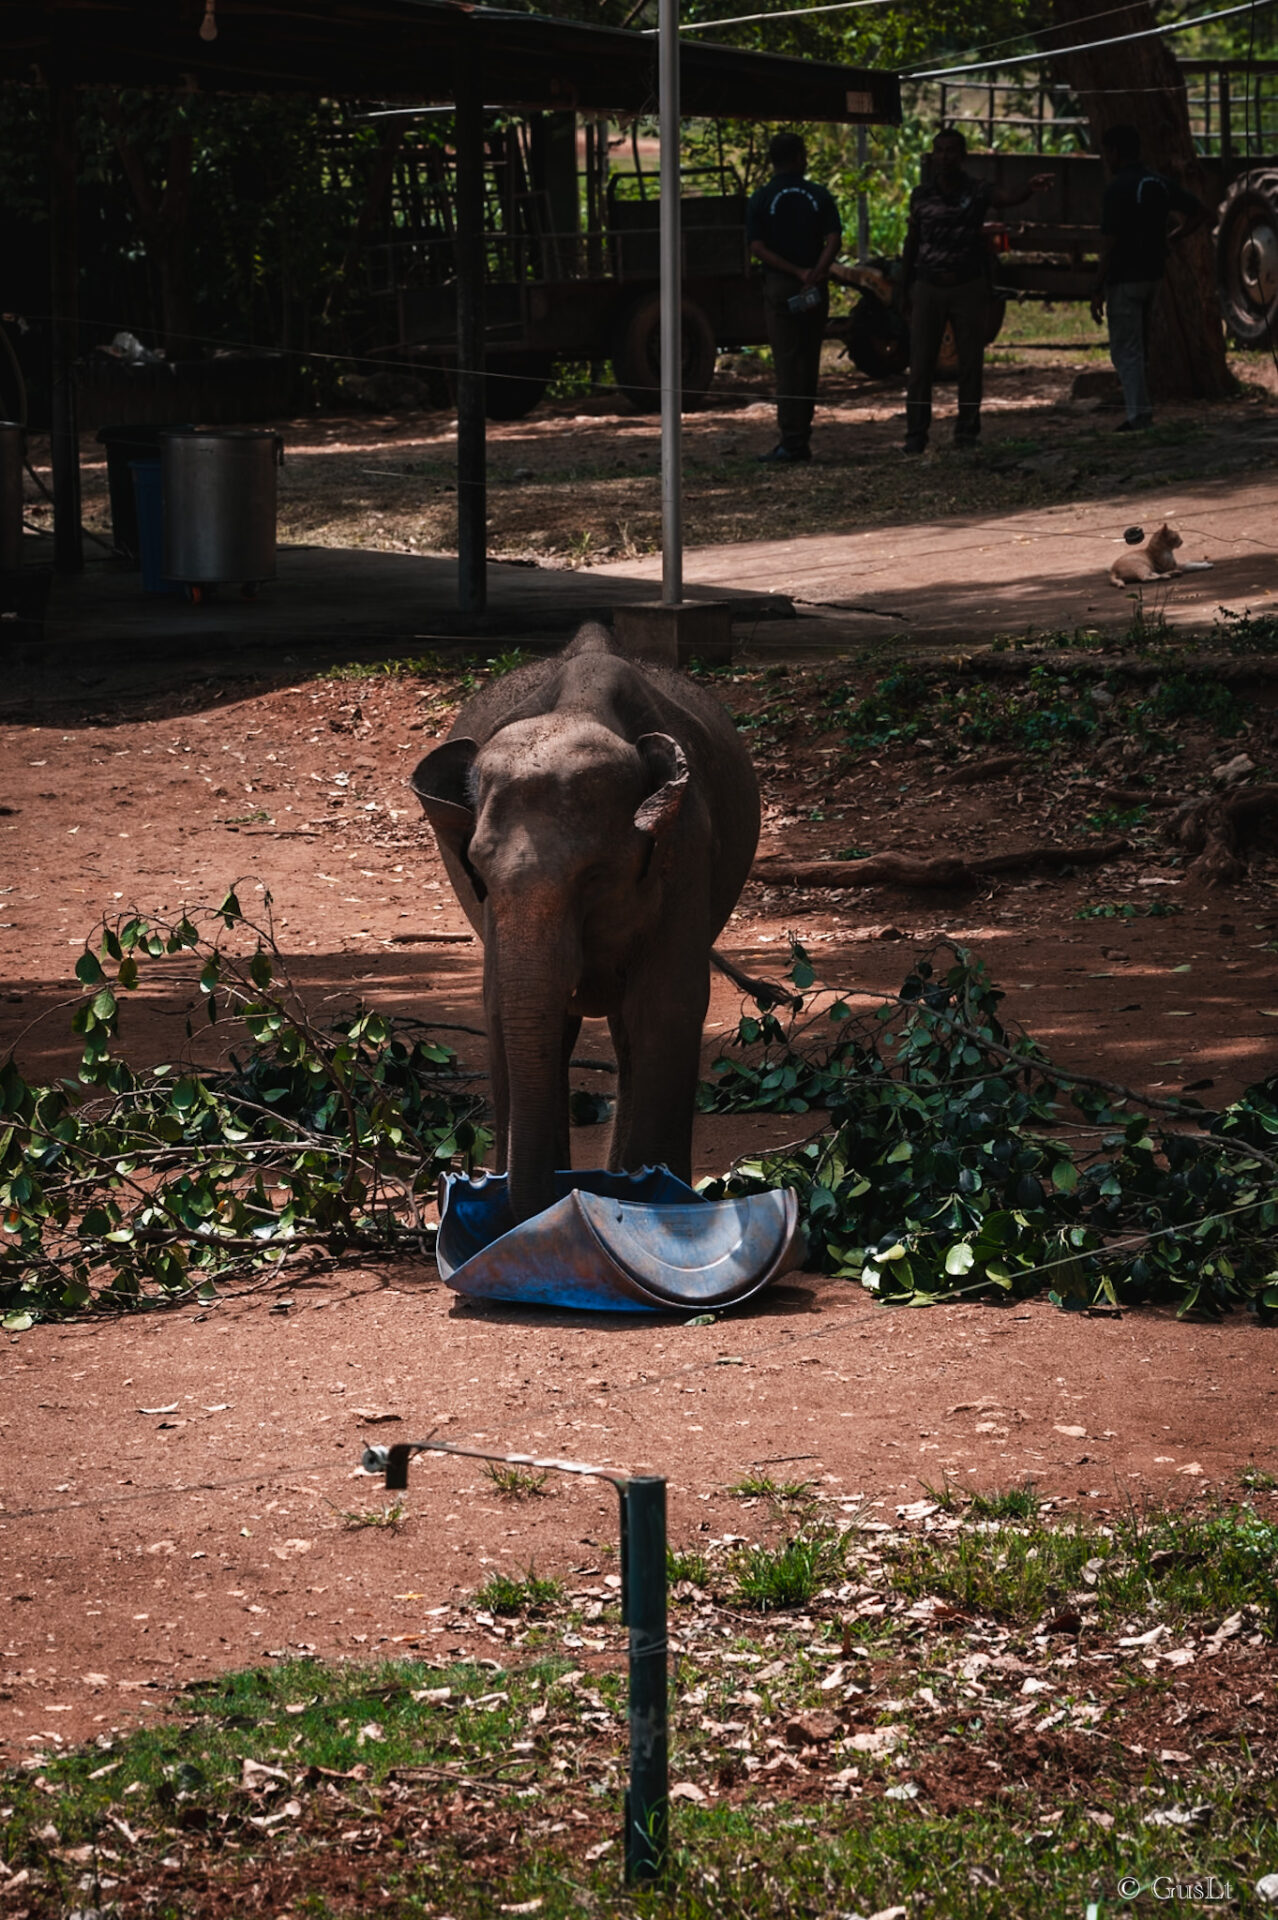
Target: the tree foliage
pixel 953 1157
pixel 122 1186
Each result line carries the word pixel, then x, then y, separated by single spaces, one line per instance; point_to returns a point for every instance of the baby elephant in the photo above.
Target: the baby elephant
pixel 597 818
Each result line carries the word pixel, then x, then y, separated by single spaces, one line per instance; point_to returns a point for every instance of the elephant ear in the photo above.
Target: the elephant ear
pixel 442 783
pixel 668 772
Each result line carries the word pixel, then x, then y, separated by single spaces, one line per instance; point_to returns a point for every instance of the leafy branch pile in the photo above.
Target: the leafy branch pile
pixel 118 1184
pixel 954 1158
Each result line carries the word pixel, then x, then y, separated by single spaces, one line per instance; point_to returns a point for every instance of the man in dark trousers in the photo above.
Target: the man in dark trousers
pixel 1135 212
pixel 947 280
pixel 795 231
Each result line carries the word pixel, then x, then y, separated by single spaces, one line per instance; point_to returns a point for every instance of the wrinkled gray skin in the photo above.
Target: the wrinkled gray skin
pixel 597 818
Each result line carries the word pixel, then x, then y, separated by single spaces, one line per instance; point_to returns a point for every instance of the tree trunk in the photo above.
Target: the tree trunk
pixel 1140 83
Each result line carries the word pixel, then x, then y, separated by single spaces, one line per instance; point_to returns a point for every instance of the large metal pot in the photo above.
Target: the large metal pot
pixel 219 505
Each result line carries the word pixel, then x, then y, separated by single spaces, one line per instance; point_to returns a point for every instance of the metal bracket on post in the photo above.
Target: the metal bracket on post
pixel 643 1612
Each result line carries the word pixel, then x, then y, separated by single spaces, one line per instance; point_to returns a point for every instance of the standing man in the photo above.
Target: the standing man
pixel 1133 258
pixel 795 231
pixel 947 279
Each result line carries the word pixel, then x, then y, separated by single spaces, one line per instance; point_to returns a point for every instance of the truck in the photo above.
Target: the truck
pixel 560 287
pixel 1235 128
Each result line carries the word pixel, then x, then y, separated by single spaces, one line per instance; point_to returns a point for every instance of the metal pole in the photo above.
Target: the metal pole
pixel 64 436
pixel 671 305
pixel 862 198
pixel 643 1538
pixel 472 472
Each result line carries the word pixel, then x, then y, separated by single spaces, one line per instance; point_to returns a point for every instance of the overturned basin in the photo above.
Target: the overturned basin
pixel 617 1242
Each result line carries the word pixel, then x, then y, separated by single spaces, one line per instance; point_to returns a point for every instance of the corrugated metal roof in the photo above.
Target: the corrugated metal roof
pixel 414 50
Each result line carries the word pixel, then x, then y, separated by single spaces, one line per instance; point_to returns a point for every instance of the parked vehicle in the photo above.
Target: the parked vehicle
pixel 1235 124
pixel 558 289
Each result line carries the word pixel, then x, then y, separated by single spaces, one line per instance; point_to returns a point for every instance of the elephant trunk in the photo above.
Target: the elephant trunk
pixel 535 975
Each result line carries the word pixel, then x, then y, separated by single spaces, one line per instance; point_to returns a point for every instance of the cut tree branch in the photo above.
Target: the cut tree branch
pixel 941 870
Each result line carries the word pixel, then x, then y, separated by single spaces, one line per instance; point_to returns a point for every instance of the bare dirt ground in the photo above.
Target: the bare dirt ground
pixel 577 482
pixel 175 1484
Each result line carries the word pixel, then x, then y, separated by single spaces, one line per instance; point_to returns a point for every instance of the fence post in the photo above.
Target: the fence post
pixel 644 1602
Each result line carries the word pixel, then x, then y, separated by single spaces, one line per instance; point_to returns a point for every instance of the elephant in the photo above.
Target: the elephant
pixel 597 817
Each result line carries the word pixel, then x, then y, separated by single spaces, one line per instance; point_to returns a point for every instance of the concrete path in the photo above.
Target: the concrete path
pixel 965 579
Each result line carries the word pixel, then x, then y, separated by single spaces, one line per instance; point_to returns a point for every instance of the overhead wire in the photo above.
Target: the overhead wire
pixel 1088 46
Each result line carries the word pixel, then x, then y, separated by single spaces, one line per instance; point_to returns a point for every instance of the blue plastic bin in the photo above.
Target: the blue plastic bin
pixel 148 494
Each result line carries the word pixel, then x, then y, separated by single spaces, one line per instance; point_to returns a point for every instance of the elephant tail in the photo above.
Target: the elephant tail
pixel 764 993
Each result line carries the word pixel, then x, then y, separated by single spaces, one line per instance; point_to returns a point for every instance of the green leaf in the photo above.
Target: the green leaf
pixel 230 909
pixel 102 1006
pixel 88 970
pixel 1064 1176
pixel 17 1322
pixel 901 1151
pixel 959 1259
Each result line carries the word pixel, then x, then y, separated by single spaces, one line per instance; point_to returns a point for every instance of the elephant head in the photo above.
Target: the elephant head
pixel 555 834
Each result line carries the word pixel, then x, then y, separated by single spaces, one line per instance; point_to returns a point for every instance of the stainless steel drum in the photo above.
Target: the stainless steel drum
pixel 219 505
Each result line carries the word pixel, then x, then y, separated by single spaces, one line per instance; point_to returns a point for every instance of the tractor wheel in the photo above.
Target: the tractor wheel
pixel 878 339
pixel 636 353
pixel 1247 257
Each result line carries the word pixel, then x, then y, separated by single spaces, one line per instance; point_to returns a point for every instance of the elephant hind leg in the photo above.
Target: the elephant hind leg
pixel 657 1075
pixel 563 1116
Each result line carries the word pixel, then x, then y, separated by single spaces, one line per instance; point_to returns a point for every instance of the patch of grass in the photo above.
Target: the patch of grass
pixel 1186 696
pixel 397 668
pixel 1117 819
pixel 782 1493
pixel 1130 910
pixel 1259 1479
pixel 1170 1569
pixel 391 1518
pixel 515 1483
pixel 687 1565
pixel 775 1579
pixel 502 1593
pixel 1017 1503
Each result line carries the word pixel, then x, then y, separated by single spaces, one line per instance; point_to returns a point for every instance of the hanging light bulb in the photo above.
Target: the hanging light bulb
pixel 208 25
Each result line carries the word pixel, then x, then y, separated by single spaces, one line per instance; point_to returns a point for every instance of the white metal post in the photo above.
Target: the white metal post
pixel 671 309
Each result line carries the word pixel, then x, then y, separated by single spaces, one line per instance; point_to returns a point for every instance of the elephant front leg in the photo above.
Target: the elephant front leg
pixel 658 1067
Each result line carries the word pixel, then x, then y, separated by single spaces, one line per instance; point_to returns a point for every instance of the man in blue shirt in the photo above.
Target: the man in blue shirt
pixel 794 231
pixel 1137 206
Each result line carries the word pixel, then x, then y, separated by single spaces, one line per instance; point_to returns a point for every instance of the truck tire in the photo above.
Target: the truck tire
pixel 516 385
pixel 636 353
pixel 878 339
pixel 1247 257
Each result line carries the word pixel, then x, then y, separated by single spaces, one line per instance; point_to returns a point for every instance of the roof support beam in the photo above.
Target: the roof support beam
pixel 472 475
pixel 68 551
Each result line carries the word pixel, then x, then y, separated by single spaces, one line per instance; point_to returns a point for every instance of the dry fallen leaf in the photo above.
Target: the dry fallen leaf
pixel 1072 1433
pixel 686 1790
pixel 172 1409
pixel 375 1416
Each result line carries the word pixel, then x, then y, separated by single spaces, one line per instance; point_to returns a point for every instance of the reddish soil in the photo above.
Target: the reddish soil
pixel 139 1548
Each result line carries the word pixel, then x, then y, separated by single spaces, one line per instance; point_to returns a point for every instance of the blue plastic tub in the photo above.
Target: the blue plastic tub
pixel 148 494
pixel 616 1242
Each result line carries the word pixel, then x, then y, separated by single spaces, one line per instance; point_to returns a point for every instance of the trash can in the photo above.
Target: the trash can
pixel 148 502
pixel 220 505
pixel 125 443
